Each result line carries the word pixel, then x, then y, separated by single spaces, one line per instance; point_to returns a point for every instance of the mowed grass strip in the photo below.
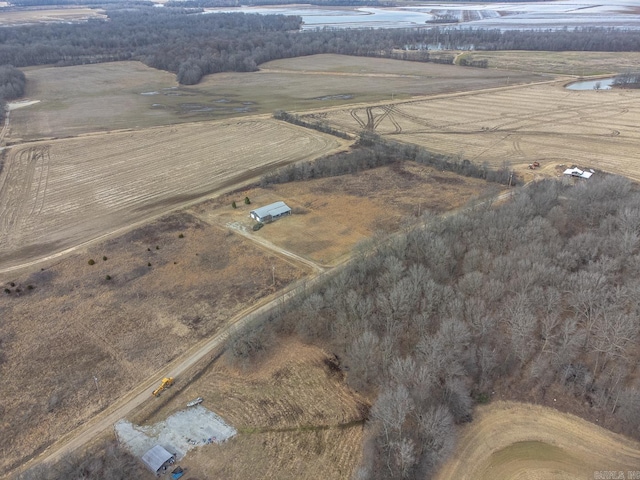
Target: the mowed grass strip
pixel 517 440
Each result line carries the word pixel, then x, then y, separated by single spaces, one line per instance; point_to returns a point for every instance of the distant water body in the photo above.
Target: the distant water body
pixel 504 16
pixel 600 84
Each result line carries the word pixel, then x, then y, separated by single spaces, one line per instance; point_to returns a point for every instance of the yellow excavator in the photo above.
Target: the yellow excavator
pixel 166 383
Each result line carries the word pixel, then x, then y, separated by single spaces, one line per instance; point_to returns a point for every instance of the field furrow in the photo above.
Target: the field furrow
pixel 544 123
pixel 66 192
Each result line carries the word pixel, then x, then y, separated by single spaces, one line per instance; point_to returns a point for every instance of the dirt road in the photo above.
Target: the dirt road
pixel 104 421
pixel 55 195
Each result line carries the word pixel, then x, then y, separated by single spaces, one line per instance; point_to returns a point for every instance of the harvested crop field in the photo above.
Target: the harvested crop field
pixel 48 15
pixel 517 440
pixel 284 430
pixel 88 98
pixel 149 297
pixel 331 215
pixel 58 194
pixel 119 95
pixel 520 125
pixel 361 79
pixel 559 63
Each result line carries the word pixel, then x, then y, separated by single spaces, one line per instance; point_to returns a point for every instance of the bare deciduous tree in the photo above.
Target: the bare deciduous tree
pixel 390 411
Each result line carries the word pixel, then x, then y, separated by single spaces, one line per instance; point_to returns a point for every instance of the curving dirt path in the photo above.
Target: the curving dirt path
pixel 517 440
pixel 179 368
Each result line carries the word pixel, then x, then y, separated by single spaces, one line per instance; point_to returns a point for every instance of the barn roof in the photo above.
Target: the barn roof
pixel 272 209
pixel 156 458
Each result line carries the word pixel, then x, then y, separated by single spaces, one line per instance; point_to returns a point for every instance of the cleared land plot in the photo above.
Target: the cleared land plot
pixel 119 95
pixel 47 15
pixel 331 215
pixel 563 63
pixel 88 98
pixel 295 418
pixel 75 323
pixel 544 123
pixel 337 77
pixel 59 194
pixel 516 440
pixel 179 433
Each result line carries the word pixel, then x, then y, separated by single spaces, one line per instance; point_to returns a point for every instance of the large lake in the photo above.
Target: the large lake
pixel 505 16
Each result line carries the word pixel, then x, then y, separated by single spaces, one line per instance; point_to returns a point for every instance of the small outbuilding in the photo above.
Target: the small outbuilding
pixel 158 459
pixel 576 172
pixel 271 212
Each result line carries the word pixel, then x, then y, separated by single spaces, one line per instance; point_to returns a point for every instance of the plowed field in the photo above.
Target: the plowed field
pixel 59 194
pixel 520 125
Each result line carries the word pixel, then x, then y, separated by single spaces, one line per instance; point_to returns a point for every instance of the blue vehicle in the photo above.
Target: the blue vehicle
pixel 177 473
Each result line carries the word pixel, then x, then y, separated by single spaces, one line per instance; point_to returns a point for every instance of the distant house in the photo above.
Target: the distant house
pixel 158 459
pixel 576 172
pixel 271 212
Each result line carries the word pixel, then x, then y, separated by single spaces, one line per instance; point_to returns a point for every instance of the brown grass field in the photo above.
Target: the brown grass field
pixel 75 323
pixel 48 15
pixel 58 194
pixel 284 431
pixel 544 123
pixel 118 95
pixel 332 215
pixel 560 63
pixel 509 440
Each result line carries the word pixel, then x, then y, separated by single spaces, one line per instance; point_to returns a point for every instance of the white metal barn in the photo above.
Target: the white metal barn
pixel 271 212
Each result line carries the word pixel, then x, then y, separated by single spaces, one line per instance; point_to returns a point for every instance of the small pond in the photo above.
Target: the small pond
pixel 599 84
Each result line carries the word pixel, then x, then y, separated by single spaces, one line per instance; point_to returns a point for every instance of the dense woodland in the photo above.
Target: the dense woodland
pixel 12 83
pixel 538 297
pixel 192 44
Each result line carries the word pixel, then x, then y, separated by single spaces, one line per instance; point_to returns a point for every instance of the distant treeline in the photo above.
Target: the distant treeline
pixel 39 3
pixel 371 151
pixel 12 83
pixel 192 44
pixel 238 3
pixel 627 80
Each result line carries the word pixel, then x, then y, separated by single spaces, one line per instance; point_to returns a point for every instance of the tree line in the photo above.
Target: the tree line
pixel 192 44
pixel 237 3
pixel 319 126
pixel 12 83
pixel 535 298
pixel 627 80
pixel 372 151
